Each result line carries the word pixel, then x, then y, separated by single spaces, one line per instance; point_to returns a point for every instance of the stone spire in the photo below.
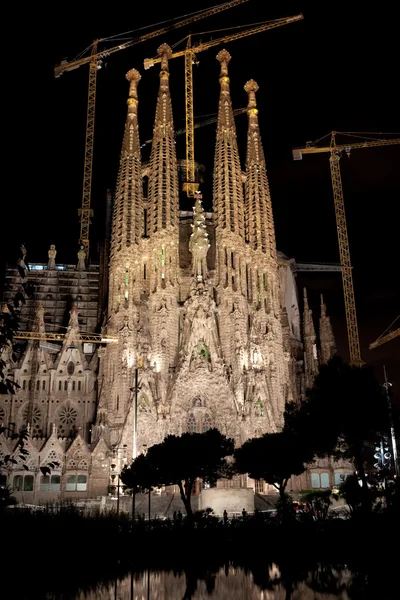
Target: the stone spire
pixel 127 226
pixel 199 244
pixel 259 221
pixel 228 188
pixel 310 345
pixel 326 337
pixel 163 178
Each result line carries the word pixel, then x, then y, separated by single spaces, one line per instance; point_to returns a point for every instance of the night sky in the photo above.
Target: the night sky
pixel 335 70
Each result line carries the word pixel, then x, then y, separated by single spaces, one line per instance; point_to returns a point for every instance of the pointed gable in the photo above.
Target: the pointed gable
pixel 78 455
pixel 52 450
pixel 71 355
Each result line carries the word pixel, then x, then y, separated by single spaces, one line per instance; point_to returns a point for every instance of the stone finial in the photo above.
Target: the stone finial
pixel 133 76
pixel 81 266
pixel 73 319
pixel 251 87
pixel 165 52
pixel 305 298
pixel 52 253
pixel 198 243
pixel 323 307
pixel 224 57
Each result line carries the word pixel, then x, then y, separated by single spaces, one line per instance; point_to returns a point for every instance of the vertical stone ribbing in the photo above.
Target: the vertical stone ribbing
pixel 326 337
pixel 259 222
pixel 127 223
pixel 163 179
pixel 227 187
pixel 310 345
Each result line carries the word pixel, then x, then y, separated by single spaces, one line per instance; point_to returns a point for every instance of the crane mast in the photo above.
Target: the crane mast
pixel 335 151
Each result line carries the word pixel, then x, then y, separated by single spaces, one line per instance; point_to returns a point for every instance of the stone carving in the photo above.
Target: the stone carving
pixel 81 266
pixel 52 253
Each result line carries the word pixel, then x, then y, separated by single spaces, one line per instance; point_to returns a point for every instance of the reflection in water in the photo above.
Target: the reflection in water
pixel 228 583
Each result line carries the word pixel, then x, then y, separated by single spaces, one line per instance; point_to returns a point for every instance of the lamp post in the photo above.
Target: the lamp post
pixel 135 411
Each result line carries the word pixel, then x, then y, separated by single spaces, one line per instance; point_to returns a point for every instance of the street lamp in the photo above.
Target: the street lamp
pixel 135 390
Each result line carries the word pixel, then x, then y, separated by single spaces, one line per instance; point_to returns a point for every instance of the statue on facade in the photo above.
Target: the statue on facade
pixel 81 266
pixel 52 253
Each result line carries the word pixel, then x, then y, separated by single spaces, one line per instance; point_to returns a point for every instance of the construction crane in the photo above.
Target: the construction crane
pixel 210 121
pixel 335 151
pixel 95 63
pixel 386 337
pixel 190 52
pixel 92 338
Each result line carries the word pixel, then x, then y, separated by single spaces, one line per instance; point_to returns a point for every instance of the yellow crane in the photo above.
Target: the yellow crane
pixel 92 338
pixel 210 121
pixel 386 337
pixel 335 150
pixel 190 52
pixel 95 62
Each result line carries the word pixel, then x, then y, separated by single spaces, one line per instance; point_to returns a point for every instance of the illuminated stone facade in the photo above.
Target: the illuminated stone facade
pixel 204 309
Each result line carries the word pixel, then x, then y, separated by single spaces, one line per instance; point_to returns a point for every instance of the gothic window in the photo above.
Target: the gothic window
pixel 24 384
pixel 259 486
pixel 191 424
pixel 79 386
pixel 43 385
pixel 65 386
pixel 50 483
pixel 319 480
pixel 52 456
pixel 23 483
pixel 206 423
pixel 340 477
pixel 71 464
pixel 38 385
pixel 28 483
pixel 73 385
pixel 59 386
pixel 67 420
pixel 83 465
pixel 76 483
pixel 18 483
pixel 71 368
pixel 35 418
pixel 2 415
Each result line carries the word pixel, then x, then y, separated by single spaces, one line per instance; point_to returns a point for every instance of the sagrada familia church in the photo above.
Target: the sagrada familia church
pixel 202 309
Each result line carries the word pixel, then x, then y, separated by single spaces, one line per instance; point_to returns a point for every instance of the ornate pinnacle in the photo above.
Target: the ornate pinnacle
pixel 251 88
pixel 224 57
pixel 165 52
pixel 305 298
pixel 133 76
pixel 323 307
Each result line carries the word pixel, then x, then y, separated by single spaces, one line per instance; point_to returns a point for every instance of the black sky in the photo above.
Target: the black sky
pixel 335 70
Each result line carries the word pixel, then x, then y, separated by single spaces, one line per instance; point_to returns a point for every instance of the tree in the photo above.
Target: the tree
pixel 344 414
pixel 140 476
pixel 273 457
pixel 180 460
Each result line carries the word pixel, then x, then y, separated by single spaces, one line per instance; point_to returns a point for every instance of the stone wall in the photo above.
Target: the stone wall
pixel 233 500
